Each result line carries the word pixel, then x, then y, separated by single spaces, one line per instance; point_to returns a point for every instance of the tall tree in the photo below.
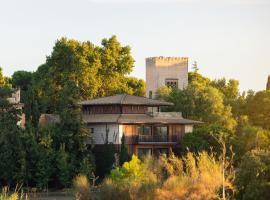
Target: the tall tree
pixel 116 61
pixel 124 157
pixel 11 152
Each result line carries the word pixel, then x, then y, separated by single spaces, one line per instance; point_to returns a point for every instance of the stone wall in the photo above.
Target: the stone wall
pixel 158 69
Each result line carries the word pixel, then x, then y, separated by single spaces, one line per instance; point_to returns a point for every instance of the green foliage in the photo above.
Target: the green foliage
pixel 11 152
pixel 63 166
pixel 191 177
pixel 253 178
pixel 124 156
pixel 203 102
pixel 258 109
pixel 163 93
pixel 135 86
pixel 105 160
pixel 45 162
pixel 21 79
pixel 249 138
pixel 92 70
pixel 2 78
pixel 205 139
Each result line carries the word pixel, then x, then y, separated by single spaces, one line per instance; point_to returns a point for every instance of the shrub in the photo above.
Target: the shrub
pixel 201 179
pixel 191 177
pixel 131 181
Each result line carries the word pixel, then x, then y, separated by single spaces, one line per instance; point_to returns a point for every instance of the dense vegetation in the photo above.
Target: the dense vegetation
pixel 51 155
pixel 234 139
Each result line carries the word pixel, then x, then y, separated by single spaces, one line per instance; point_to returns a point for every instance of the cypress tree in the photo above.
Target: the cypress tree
pixel 124 156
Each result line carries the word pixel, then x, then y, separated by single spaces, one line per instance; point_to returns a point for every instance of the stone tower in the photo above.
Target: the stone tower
pixel 169 71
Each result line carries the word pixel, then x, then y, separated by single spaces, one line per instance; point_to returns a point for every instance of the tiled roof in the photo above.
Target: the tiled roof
pixel 135 119
pixel 125 99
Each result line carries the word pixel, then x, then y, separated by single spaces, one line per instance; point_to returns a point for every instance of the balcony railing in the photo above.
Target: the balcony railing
pixel 156 139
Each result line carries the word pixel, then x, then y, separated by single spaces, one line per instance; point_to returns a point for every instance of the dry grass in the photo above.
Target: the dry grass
pixel 194 177
pixel 82 188
pixel 7 195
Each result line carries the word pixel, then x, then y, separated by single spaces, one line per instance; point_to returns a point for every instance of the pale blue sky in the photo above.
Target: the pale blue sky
pixel 228 38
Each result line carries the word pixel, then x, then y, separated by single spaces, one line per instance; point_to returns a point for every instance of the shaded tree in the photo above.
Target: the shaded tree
pixel 253 176
pixel 11 152
pixel 258 109
pixel 124 156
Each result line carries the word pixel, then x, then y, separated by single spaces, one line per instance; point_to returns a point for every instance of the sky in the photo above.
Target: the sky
pixel 227 38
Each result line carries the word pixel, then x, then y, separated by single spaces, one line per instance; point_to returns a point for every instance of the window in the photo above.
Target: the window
pixel 144 130
pixel 161 130
pixel 173 83
pixel 142 152
pixel 91 130
pixel 161 133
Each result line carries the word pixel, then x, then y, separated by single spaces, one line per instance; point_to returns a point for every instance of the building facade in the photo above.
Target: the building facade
pixel 169 71
pixel 153 132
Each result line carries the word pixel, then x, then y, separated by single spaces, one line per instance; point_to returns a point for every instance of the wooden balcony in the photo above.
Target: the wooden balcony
pixel 151 139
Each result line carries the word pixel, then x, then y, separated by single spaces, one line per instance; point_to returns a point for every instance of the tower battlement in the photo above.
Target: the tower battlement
pixel 163 58
pixel 165 61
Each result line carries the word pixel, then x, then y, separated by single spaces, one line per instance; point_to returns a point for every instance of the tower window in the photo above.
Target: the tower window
pixel 173 83
pixel 92 130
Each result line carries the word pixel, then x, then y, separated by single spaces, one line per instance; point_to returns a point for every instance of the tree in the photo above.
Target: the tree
pixel 268 83
pixel 116 62
pixel 11 152
pixel 105 160
pixel 203 139
pixel 63 166
pixel 258 109
pixel 135 86
pixel 163 92
pixel 202 102
pixel 124 156
pixel 95 70
pixel 2 78
pixel 249 138
pixel 21 79
pixel 253 176
pixel 46 157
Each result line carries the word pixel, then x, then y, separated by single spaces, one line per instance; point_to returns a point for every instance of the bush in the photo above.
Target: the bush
pixel 131 181
pixel 191 177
